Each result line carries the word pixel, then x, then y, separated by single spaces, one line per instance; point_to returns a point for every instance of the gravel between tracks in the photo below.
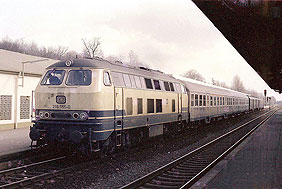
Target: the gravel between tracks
pixel 119 169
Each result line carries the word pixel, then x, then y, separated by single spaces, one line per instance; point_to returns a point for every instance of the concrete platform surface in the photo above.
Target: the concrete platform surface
pixel 15 140
pixel 256 163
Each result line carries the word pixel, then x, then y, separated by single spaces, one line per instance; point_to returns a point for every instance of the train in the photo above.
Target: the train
pixel 96 105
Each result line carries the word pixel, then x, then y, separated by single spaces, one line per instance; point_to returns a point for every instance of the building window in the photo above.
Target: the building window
pixel 159 105
pixel 166 86
pixel 148 83
pixel 201 100
pixel 196 100
pixel 5 107
pixel 25 107
pixel 129 106
pixel 173 105
pixel 157 85
pixel 192 99
pixel 107 80
pixel 150 105
pixel 139 106
pixel 171 86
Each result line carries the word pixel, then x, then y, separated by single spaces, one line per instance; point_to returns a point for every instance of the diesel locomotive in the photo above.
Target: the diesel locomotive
pixel 98 105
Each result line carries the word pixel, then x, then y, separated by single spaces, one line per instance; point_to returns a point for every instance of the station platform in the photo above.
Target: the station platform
pixel 15 140
pixel 255 163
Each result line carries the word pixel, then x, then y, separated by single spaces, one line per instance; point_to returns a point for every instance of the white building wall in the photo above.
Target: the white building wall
pixel 11 85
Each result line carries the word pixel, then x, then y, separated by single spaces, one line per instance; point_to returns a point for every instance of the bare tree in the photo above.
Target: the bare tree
pixel 237 84
pixel 219 83
pixel 92 47
pixel 193 74
pixel 113 58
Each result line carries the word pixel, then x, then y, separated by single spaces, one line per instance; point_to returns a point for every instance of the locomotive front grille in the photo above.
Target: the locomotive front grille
pixel 61 115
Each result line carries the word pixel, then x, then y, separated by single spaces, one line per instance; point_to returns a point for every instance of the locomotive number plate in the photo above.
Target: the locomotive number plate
pixel 60 99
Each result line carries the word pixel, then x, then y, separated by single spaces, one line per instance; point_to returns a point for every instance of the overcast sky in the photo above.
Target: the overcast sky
pixel 172 36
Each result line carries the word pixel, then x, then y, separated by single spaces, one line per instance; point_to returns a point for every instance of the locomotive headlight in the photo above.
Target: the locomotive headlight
pixel 46 115
pixel 83 116
pixel 41 115
pixel 75 115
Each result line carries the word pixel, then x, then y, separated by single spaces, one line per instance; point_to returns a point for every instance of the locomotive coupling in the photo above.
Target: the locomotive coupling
pixel 34 134
pixel 76 137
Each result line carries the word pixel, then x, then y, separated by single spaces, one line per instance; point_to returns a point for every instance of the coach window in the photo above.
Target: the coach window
pixel 233 101
pixel 173 105
pixel 138 82
pixel 139 106
pixel 192 99
pixel 196 100
pixel 148 83
pixel 201 100
pixel 171 86
pixel 166 86
pixel 159 106
pixel 133 83
pixel 220 100
pixel 214 101
pixel 211 104
pixel 204 100
pixel 129 106
pixel 117 79
pixel 150 105
pixel 157 84
pixel 223 100
pixel 107 80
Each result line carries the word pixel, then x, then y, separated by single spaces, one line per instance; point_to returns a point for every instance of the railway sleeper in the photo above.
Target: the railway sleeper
pixel 153 185
pixel 180 173
pixel 176 176
pixel 163 178
pixel 168 183
pixel 185 170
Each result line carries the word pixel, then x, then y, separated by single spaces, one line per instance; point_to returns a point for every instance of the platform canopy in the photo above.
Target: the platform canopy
pixel 254 28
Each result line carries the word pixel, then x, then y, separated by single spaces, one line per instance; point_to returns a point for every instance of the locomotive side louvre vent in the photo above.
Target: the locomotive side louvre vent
pixel 60 99
pixel 25 107
pixel 5 107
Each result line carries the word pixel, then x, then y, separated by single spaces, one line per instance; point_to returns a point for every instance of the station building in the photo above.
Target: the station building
pixel 19 76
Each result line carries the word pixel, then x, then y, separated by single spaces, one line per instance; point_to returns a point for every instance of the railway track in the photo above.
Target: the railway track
pixel 186 170
pixel 27 174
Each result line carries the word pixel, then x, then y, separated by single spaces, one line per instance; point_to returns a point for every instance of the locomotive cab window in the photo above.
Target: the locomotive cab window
pixel 171 86
pixel 157 84
pixel 129 106
pixel 79 77
pixel 150 106
pixel 139 106
pixel 166 85
pixel 126 80
pixel 107 80
pixel 53 77
pixel 149 84
pixel 159 105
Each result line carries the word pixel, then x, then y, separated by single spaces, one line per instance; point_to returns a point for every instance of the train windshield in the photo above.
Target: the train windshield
pixel 79 77
pixel 53 77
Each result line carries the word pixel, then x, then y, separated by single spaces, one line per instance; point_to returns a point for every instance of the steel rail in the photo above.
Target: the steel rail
pixel 6 172
pixel 150 176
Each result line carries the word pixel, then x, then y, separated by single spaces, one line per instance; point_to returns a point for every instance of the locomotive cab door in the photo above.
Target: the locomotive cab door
pixel 118 114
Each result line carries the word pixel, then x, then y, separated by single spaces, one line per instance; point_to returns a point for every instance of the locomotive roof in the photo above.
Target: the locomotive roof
pixel 99 63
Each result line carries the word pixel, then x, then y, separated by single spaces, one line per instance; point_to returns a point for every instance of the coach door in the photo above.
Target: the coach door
pixel 118 113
